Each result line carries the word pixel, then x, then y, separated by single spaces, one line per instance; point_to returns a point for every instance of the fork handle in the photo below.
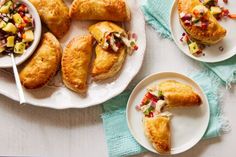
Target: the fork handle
pixel 17 79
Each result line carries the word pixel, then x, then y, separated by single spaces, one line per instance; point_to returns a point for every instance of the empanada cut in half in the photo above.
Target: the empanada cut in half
pixel 112 10
pixel 176 94
pixel 55 14
pixel 107 63
pixel 199 23
pixel 75 63
pixel 44 64
pixel 157 130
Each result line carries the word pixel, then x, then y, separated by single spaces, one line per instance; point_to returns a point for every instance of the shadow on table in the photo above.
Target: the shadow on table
pixel 68 118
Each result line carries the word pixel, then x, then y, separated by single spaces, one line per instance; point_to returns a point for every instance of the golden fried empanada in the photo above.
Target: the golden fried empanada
pixel 157 131
pixel 107 63
pixel 211 33
pixel 75 63
pixel 112 10
pixel 177 94
pixel 44 64
pixel 55 14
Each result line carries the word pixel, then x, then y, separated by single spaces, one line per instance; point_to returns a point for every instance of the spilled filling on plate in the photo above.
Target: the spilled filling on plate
pixel 152 104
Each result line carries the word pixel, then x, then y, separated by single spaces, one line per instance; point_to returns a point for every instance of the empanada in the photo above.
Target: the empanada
pixel 107 63
pixel 199 23
pixel 55 14
pixel 75 63
pixel 157 131
pixel 177 94
pixel 112 10
pixel 44 64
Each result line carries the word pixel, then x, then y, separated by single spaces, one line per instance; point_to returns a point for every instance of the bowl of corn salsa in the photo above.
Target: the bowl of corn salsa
pixel 20 31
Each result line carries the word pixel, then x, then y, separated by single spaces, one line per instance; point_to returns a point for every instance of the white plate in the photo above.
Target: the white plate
pixel 188 125
pixel 212 53
pixel 5 61
pixel 56 95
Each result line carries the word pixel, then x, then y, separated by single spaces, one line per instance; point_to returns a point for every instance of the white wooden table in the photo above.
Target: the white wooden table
pixel 28 130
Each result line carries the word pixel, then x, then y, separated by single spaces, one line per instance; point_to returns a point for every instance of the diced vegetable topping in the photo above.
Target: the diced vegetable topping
pixel 16 27
pixel 19 48
pixel 199 11
pixel 6 7
pixel 17 18
pixel 115 41
pixel 10 41
pixel 232 16
pixel 28 36
pixel 193 46
pixel 10 28
pixel 152 103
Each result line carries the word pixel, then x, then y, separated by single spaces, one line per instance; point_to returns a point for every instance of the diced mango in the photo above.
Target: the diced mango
pixel 10 41
pixel 215 10
pixel 28 36
pixel 6 7
pixel 2 24
pixel 193 47
pixel 10 28
pixel 19 48
pixel 17 18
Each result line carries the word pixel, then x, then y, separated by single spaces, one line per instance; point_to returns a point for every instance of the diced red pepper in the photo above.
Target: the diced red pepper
pixel 150 115
pixel 151 97
pixel 144 101
pixel 118 44
pixel 135 47
pixel 148 95
pixel 204 26
pixel 22 14
pixel 21 26
pixel 196 12
pixel 21 8
pixel 225 12
pixel 26 19
pixel 232 16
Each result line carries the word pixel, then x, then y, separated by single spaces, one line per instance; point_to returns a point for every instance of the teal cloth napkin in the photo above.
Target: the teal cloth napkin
pixel 121 143
pixel 157 13
pixel 119 140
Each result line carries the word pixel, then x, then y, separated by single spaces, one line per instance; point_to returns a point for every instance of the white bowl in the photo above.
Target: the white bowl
pixel 5 60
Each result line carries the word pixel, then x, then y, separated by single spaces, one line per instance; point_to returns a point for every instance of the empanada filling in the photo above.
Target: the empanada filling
pixel 152 104
pixel 196 18
pixel 115 40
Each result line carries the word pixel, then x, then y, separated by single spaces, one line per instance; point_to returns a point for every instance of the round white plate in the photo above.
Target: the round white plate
pixel 212 53
pixel 188 125
pixel 56 95
pixel 5 60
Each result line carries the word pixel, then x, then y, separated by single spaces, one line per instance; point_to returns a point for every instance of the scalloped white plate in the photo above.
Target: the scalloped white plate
pixel 188 125
pixel 56 95
pixel 212 53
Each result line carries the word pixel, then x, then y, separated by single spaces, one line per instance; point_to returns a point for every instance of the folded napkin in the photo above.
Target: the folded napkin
pixel 157 13
pixel 121 143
